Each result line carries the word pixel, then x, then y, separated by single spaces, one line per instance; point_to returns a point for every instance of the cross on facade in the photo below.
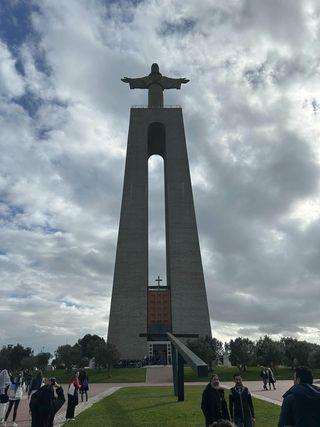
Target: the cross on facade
pixel 158 280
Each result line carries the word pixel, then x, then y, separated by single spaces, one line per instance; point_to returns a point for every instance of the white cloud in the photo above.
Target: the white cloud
pixel 11 83
pixel 251 115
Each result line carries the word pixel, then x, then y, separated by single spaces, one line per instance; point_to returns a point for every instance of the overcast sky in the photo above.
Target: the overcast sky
pixel 251 114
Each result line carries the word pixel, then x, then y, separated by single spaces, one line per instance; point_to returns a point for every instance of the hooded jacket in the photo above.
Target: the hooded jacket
pixel 214 405
pixel 301 406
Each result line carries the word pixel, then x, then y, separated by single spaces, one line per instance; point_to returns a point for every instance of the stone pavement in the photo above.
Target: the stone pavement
pixel 155 377
pixel 256 389
pixel 159 374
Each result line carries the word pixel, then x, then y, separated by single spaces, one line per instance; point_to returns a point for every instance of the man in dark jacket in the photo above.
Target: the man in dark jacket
pixel 44 404
pixel 213 404
pixel 301 403
pixel 264 377
pixel 240 404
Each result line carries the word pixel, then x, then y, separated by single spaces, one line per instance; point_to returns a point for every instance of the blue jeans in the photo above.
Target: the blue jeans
pixel 240 422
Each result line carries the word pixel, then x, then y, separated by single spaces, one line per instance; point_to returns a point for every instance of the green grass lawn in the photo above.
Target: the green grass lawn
pixel 130 375
pixel 252 374
pixel 123 375
pixel 158 407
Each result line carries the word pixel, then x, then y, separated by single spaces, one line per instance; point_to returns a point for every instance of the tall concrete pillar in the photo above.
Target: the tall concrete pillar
pixel 156 130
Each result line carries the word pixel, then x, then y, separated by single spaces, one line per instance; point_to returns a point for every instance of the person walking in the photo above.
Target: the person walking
pixel 264 377
pixel 84 384
pixel 271 379
pixel 213 403
pixel 240 404
pixel 28 379
pixel 73 398
pixel 15 393
pixel 301 403
pixel 4 398
pixel 44 404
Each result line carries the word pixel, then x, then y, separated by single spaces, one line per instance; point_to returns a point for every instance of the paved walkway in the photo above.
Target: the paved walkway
pixel 256 389
pixel 159 374
pixel 156 377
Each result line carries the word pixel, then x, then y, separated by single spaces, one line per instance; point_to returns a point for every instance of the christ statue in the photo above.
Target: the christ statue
pixel 155 82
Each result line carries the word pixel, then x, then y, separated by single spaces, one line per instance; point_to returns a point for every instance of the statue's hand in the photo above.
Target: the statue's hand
pixel 125 79
pixel 184 80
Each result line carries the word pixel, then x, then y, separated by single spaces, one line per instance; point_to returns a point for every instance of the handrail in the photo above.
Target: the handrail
pixel 156 108
pixel 198 366
pixel 181 354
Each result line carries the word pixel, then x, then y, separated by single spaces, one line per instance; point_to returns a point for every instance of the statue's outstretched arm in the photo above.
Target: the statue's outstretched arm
pixel 139 83
pixel 169 83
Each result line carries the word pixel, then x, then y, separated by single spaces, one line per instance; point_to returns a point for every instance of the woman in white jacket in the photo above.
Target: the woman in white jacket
pixel 4 385
pixel 15 393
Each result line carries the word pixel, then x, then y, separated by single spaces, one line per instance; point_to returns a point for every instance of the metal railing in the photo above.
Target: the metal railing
pixel 181 354
pixel 155 108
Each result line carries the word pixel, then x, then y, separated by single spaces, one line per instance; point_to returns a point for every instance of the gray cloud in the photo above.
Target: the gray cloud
pixel 250 113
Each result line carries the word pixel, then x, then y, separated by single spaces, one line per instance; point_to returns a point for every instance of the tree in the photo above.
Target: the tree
pixel 208 349
pixel 112 356
pixel 13 355
pixel 269 352
pixel 4 359
pixel 314 358
pixel 42 360
pixel 88 345
pixel 29 362
pixel 68 355
pixel 296 352
pixel 106 355
pixel 242 353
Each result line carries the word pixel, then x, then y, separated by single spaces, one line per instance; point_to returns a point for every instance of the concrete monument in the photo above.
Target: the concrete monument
pixel 156 129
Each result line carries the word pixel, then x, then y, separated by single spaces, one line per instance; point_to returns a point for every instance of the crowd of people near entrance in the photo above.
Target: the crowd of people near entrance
pixel 45 396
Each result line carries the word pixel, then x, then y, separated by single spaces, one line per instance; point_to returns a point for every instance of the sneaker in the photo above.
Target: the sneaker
pixel 14 424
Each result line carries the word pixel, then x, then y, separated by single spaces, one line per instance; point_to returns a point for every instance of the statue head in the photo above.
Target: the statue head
pixel 155 69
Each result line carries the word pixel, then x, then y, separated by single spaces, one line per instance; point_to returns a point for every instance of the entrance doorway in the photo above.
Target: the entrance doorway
pixel 159 353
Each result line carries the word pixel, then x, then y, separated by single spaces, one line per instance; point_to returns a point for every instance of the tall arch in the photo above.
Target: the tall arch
pixel 156 139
